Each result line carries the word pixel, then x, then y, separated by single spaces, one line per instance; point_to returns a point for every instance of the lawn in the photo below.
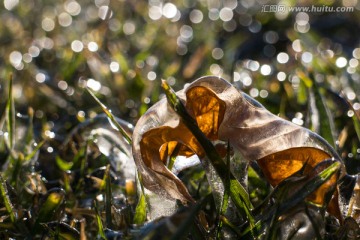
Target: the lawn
pixel 179 120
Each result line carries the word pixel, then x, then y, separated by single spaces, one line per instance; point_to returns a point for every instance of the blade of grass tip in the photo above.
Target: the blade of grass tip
pixel 62 164
pixel 111 117
pixel 101 231
pixel 229 224
pixel 5 198
pixel 30 128
pixel 309 187
pixel 36 149
pixel 237 192
pixel 48 209
pixel 10 116
pixel 140 210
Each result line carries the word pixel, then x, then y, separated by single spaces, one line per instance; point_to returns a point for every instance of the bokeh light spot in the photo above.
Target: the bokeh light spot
pixel 271 37
pixel 93 84
pixel 296 45
pixel 48 24
pixel 129 27
pixel 341 62
pixel 104 12
pixel 169 10
pixel 281 76
pixel 114 67
pixel 282 58
pixel 65 19
pixel 40 77
pixel 213 14
pixel 77 46
pixel 196 16
pixel 151 75
pixel 356 53
pixel 93 47
pixel 72 7
pixel 217 53
pixel 10 4
pixel 15 58
pixel 226 14
pixel 306 57
pixel 265 70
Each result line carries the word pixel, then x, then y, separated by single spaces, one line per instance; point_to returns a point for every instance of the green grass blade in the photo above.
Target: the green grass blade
pixel 48 209
pixel 230 225
pixel 285 203
pixel 101 231
pixel 33 152
pixel 29 137
pixel 140 211
pixel 10 116
pixel 309 187
pixel 141 207
pixel 62 164
pixel 237 192
pixel 111 117
pixel 356 122
pixel 17 163
pixel 326 121
pixel 5 198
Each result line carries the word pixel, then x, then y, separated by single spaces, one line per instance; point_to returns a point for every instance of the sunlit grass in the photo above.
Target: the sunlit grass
pixel 66 168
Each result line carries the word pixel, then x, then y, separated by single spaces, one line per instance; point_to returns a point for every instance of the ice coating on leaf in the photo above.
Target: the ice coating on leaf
pixel 108 140
pixel 223 113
